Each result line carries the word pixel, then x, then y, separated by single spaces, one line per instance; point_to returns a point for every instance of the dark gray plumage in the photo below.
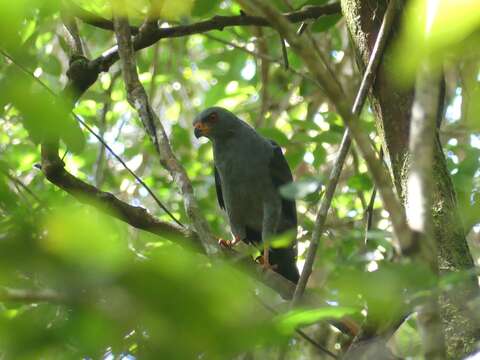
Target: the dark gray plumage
pixel 249 169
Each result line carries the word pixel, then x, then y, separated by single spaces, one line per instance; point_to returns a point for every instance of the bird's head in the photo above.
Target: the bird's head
pixel 215 123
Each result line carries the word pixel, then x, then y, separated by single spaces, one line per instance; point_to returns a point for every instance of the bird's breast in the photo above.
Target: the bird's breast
pixel 243 191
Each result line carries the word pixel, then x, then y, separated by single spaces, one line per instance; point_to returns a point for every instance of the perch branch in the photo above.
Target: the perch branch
pixel 138 217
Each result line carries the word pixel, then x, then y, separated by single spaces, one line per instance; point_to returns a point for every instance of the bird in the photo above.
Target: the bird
pixel 249 169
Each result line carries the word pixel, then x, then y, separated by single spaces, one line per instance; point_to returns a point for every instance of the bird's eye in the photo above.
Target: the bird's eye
pixel 213 117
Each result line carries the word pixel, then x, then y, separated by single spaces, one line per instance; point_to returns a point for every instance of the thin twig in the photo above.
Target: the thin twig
pixel 369 209
pixel 100 161
pixel 284 53
pixel 18 182
pixel 259 55
pixel 30 296
pixel 120 160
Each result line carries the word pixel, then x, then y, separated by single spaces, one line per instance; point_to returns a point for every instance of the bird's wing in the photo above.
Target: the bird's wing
pixel 218 188
pixel 281 175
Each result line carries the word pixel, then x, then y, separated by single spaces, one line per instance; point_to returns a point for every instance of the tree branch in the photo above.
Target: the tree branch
pixel 366 84
pixel 53 168
pixel 215 23
pixel 72 36
pixel 148 35
pixel 79 70
pixel 419 201
pixel 138 217
pixel 138 99
pixel 305 50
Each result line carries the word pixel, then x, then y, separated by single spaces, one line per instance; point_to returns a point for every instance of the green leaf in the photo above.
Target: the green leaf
pixel 300 189
pixel 204 7
pixel 320 155
pixel 283 240
pixel 287 323
pixel 274 134
pixel 45 117
pixel 294 155
pixel 434 30
pixel 311 2
pixel 360 182
pixel 326 22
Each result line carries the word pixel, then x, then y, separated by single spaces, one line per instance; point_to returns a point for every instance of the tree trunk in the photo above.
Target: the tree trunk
pixel 392 108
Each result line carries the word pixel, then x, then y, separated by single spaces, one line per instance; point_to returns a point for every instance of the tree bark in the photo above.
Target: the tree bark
pixel 392 107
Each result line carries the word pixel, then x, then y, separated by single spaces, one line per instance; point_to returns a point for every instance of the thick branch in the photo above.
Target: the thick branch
pixel 138 217
pixel 72 35
pixel 419 201
pixel 147 36
pixel 215 23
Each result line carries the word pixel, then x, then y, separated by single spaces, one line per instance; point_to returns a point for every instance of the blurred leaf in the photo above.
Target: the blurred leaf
pixel 283 240
pixel 289 322
pixel 320 155
pixel 99 249
pixel 45 117
pixel 326 22
pixel 204 7
pixel 294 155
pixel 172 10
pixel 274 134
pixel 406 341
pixel 432 30
pixel 360 182
pixel 300 188
pixel 312 2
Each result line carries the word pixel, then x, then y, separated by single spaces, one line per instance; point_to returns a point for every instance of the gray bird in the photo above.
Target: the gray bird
pixel 249 169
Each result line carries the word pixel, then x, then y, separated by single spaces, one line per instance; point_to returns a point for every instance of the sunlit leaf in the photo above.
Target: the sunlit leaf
pixel 79 237
pixel 431 30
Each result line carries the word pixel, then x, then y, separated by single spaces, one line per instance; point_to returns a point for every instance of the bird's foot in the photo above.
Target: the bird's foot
pixel 228 243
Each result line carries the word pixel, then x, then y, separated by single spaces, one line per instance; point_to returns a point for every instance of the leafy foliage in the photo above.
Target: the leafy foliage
pixel 120 292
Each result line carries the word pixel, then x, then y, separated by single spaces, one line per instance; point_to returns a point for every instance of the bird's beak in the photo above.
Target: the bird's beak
pixel 201 129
